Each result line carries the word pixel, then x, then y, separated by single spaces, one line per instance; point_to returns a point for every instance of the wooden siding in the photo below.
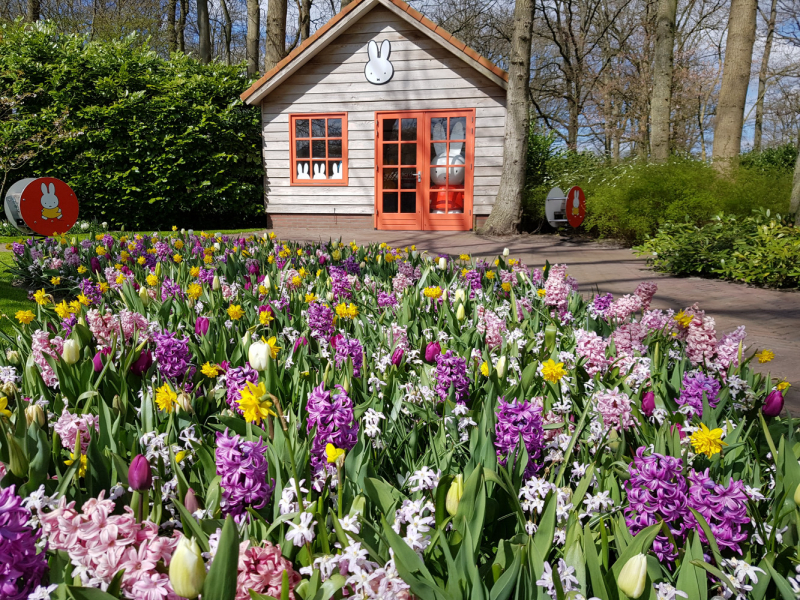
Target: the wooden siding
pixel 426 76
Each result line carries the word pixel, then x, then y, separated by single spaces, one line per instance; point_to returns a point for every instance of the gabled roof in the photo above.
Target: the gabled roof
pixel 351 13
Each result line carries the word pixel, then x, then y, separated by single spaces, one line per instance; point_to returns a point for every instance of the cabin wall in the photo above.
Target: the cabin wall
pixel 426 76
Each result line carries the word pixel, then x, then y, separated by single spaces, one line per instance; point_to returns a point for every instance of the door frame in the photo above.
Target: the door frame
pixel 425 220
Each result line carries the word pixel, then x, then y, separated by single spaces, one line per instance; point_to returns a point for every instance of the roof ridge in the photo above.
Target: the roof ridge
pixel 445 35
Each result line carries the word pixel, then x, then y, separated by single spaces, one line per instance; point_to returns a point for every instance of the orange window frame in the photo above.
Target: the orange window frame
pixel 294 159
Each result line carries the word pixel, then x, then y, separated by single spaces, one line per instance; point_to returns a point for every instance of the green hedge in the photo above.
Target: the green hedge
pixel 151 142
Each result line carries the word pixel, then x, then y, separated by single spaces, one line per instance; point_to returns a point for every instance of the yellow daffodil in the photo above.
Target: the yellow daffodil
pixel 152 280
pixel 120 278
pixel 194 271
pixel 783 385
pixel 83 299
pixel 141 260
pixel 254 403
pixel 209 370
pixel 180 455
pixel 310 298
pixel 464 257
pixel 333 453
pixel 296 281
pixel 103 286
pixel 345 311
pixel 683 319
pixel 552 371
pixel 24 316
pixel 166 399
pixel 208 259
pixel 194 290
pixel 41 297
pixel 490 275
pixel 765 356
pixel 541 293
pixel 63 310
pixel 707 441
pixel 432 292
pixel 174 228
pixel 485 369
pixel 265 317
pixel 178 244
pixel 55 280
pixel 177 258
pixel 4 407
pixel 506 286
pixel 82 269
pixel 273 346
pixel 84 463
pixel 235 312
pixel 101 250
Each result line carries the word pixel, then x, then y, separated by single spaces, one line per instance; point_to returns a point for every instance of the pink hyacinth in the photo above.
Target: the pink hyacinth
pixel 615 408
pixel 728 348
pixel 261 570
pixel 493 326
pixel 400 282
pixel 102 544
pixel 701 343
pixel 41 344
pixel 106 327
pixel 628 338
pixel 592 347
pixel 400 337
pixel 646 290
pixel 657 320
pixel 622 308
pixel 69 426
pixel 556 288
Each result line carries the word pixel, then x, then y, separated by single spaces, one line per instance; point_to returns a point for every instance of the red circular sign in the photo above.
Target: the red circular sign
pixel 48 206
pixel 576 206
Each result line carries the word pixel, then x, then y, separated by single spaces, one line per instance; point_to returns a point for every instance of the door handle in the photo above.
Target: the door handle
pixel 419 176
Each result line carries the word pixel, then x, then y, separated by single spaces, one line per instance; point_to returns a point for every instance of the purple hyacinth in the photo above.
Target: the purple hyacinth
pixel 473 279
pixel 171 289
pixel 244 471
pixel 351 265
pixel 320 319
pixel 657 490
pixel 172 354
pixel 385 299
pixel 340 283
pixel 350 348
pixel 18 249
pixel 236 379
pixel 332 415
pixel 725 509
pixel 91 291
pixel 694 384
pixel 206 276
pixel 451 370
pixel 517 419
pixel 21 564
pixel 601 304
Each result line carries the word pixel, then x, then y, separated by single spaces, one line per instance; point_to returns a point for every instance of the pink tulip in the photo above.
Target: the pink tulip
pixel 773 405
pixel 432 351
pixel 648 403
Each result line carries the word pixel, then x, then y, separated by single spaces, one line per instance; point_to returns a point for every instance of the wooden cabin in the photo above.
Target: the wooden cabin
pixel 381 120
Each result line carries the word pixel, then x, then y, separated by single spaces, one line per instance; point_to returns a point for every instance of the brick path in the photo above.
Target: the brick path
pixel 771 317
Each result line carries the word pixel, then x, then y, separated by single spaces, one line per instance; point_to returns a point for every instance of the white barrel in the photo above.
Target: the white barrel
pixel 11 205
pixel 555 207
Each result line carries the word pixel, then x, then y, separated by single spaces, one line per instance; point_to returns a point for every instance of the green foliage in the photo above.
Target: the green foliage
pixel 779 158
pixel 150 142
pixel 760 249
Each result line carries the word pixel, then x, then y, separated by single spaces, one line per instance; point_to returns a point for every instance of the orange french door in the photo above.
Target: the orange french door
pixel 424 170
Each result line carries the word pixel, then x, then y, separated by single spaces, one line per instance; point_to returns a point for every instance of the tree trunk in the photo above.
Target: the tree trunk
pixel 182 25
pixel 661 100
pixel 305 19
pixel 735 79
pixel 507 209
pixel 204 31
pixel 794 203
pixel 172 32
pixel 276 33
pixel 33 11
pixel 227 30
pixel 253 41
pixel 762 77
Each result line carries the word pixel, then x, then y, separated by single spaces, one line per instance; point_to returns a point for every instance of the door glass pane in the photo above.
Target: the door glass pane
pixel 390 154
pixel 408 154
pixel 317 127
pixel 438 203
pixel 455 201
pixel 301 148
pixel 409 129
pixel 301 128
pixel 408 179
pixel 457 170
pixel 334 148
pixel 335 169
pixel 390 127
pixel 458 128
pixel 334 128
pixel 390 202
pixel 303 169
pixel 318 149
pixel 439 128
pixel 390 179
pixel 319 170
pixel 408 202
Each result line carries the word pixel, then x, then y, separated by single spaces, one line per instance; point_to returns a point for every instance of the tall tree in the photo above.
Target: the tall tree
pixel 276 33
pixel 33 11
pixel 304 19
pixel 735 79
pixel 227 30
pixel 182 25
pixel 762 76
pixel 794 203
pixel 253 40
pixel 661 101
pixel 172 32
pixel 204 31
pixel 507 209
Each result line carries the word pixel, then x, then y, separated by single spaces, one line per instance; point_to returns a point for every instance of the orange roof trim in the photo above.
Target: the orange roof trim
pixel 444 36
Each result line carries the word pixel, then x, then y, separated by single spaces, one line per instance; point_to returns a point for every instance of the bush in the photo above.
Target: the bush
pixel 781 158
pixel 761 249
pixel 150 142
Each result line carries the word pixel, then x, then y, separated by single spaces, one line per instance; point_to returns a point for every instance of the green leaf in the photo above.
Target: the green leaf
pixel 82 593
pixel 221 581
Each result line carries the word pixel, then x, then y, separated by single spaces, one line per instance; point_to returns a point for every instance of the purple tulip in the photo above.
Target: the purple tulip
pixel 98 362
pixel 95 264
pixel 142 363
pixel 322 260
pixel 190 502
pixel 773 405
pixel 648 403
pixel 201 326
pixel 140 476
pixel 681 433
pixel 301 341
pixel 432 351
pixel 397 357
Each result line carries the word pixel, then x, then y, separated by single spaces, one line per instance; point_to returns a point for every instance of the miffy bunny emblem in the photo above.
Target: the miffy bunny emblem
pixel 50 209
pixel 302 171
pixel 379 70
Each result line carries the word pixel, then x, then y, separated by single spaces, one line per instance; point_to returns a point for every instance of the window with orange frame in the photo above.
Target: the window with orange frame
pixel 318 149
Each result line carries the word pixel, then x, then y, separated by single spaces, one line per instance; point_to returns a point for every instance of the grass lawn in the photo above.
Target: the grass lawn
pixel 12 298
pixel 7 239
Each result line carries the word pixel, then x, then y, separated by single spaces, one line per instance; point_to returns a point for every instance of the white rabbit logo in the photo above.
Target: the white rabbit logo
pixel 337 171
pixel 50 209
pixel 302 171
pixel 379 70
pixel 319 171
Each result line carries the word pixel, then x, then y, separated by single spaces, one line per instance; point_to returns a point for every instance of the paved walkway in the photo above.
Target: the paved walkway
pixel 772 317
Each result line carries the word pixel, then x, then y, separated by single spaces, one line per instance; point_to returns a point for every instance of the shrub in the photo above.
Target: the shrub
pixel 760 249
pixel 152 141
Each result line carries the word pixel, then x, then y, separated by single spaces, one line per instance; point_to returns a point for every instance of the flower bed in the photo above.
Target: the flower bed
pixel 252 419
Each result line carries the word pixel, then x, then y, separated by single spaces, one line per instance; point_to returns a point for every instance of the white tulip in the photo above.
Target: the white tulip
pixel 215 283
pixel 442 263
pixel 187 572
pixel 144 296
pixel 258 355
pixel 71 352
pixel 501 367
pixel 505 252
pixel 460 296
pixel 633 576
